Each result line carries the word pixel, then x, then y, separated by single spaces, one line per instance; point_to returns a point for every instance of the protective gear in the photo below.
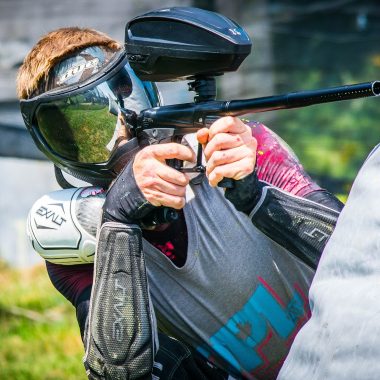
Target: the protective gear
pixel 300 225
pixel 325 198
pixel 121 337
pixel 78 68
pixel 62 225
pixel 245 193
pixel 104 92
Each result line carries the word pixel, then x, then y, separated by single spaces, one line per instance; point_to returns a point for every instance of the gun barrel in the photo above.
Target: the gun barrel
pixel 190 117
pixel 301 98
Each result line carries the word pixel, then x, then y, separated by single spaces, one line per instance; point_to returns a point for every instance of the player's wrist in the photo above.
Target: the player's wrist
pixel 246 193
pixel 125 202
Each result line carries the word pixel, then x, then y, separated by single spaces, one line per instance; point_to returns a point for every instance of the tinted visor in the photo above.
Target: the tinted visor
pixel 86 125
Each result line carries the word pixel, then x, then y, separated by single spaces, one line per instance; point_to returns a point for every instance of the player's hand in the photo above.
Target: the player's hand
pixel 229 148
pixel 160 184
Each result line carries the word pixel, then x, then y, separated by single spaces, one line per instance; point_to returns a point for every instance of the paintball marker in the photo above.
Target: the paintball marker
pixel 184 43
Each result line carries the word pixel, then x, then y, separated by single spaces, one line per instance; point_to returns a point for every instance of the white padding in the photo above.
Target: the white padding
pixel 62 225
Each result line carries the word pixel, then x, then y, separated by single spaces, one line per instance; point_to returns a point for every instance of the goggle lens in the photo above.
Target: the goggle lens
pixel 86 126
pixel 78 129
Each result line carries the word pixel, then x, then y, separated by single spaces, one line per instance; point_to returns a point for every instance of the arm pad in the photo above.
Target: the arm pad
pixel 300 225
pixel 121 334
pixel 62 225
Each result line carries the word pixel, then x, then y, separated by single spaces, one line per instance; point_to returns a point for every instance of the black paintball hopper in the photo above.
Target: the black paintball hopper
pixel 181 43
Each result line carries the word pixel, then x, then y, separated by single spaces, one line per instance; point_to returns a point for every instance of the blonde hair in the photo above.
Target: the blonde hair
pixel 50 50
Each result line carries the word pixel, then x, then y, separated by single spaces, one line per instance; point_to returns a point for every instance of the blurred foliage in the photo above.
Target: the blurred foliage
pixel 332 140
pixel 40 339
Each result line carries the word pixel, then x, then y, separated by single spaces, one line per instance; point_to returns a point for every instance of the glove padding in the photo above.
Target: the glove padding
pixel 245 193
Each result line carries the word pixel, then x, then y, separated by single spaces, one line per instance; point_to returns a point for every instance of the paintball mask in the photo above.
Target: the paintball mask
pixel 81 119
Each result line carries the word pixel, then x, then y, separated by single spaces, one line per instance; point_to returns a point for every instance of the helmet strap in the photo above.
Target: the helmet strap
pixel 62 181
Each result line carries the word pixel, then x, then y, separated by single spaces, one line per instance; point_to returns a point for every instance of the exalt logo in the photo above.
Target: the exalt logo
pixel 51 215
pixel 120 298
pixel 317 234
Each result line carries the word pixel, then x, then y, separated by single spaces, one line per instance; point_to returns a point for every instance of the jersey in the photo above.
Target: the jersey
pixel 278 165
pixel 257 274
pixel 239 298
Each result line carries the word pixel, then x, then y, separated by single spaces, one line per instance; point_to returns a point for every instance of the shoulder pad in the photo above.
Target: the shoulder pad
pixel 62 225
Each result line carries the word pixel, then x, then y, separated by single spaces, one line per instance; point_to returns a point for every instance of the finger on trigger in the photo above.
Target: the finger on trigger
pixel 202 136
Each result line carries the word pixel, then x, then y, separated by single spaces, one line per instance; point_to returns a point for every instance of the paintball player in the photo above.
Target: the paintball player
pixel 228 276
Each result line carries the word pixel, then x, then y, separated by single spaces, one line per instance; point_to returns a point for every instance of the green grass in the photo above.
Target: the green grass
pixel 39 335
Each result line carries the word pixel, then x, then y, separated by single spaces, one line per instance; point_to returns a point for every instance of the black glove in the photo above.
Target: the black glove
pixel 245 193
pixel 125 203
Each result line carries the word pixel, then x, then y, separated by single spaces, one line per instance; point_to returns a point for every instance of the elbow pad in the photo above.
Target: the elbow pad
pixel 62 225
pixel 121 337
pixel 301 226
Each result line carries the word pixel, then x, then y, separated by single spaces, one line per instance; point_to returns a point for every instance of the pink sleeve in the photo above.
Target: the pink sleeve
pixel 278 165
pixel 70 280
